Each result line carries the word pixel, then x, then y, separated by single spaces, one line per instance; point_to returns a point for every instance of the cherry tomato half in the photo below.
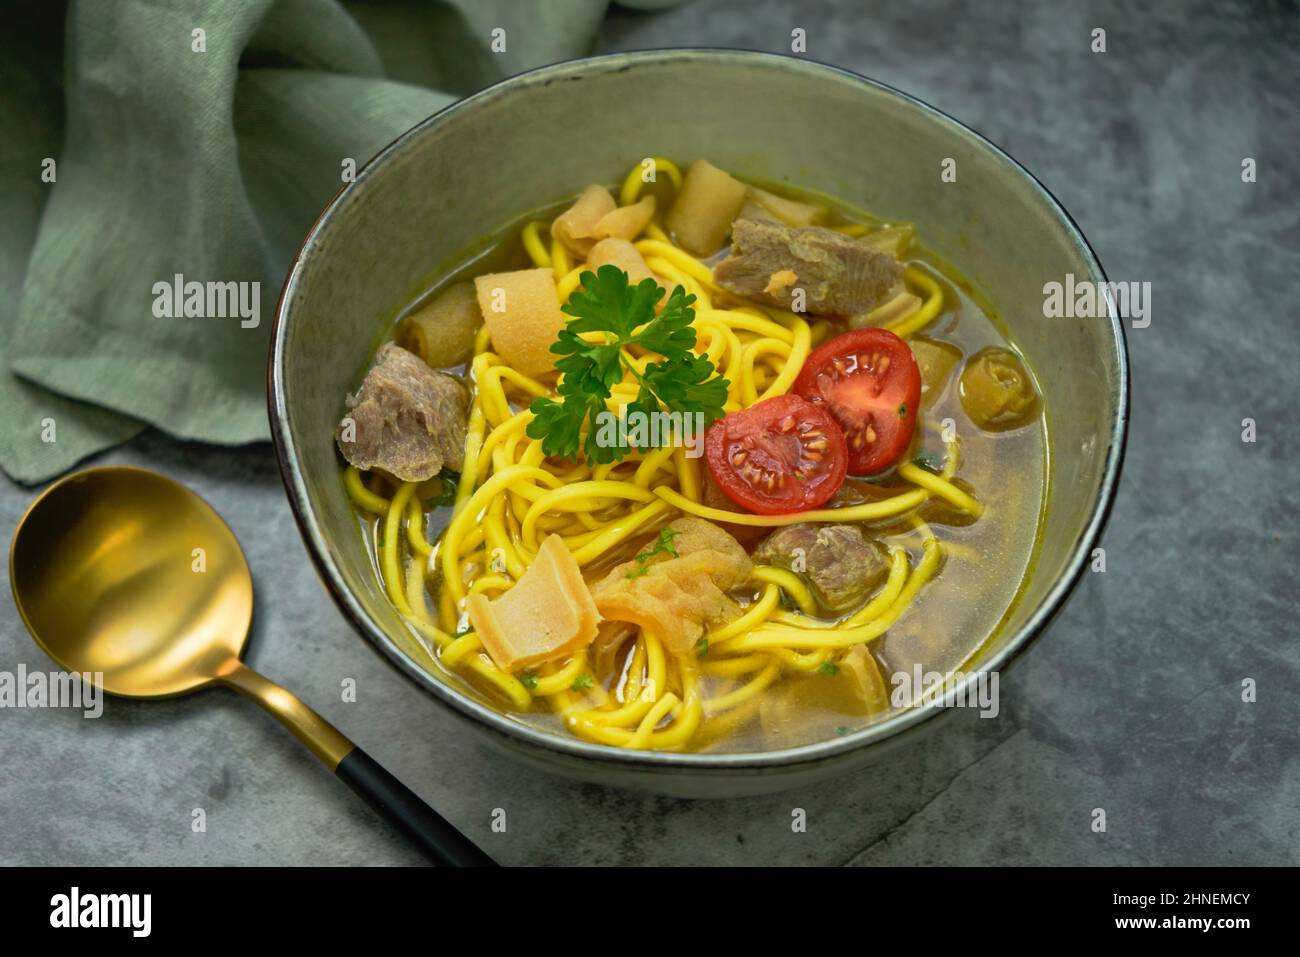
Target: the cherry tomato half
pixel 778 456
pixel 868 380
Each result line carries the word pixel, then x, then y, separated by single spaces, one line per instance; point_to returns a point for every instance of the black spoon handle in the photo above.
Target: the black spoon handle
pixel 391 799
pixel 397 804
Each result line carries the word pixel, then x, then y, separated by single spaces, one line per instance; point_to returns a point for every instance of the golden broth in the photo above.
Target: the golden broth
pixel 953 618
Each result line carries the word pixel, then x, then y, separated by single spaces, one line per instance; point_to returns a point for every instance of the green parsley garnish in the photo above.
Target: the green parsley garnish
pixel 842 730
pixel 828 668
pixel 662 546
pixel 581 682
pixel 701 647
pixel 902 411
pixel 625 316
pixel 529 680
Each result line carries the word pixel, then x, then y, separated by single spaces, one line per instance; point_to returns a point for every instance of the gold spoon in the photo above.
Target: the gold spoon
pixel 131 578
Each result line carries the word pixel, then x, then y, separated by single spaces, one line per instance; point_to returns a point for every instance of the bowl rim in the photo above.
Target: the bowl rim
pixel 752 761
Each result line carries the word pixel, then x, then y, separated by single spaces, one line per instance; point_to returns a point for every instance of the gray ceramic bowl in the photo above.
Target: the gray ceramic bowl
pixel 532 139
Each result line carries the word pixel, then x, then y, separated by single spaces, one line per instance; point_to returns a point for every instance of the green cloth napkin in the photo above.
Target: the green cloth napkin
pixel 211 165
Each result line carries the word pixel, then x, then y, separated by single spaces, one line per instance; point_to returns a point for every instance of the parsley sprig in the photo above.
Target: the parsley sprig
pixel 624 315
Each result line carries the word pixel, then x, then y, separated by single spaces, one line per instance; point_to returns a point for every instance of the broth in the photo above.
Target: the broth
pixel 951 620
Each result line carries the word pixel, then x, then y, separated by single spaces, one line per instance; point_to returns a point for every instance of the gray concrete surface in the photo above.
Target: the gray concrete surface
pixel 1131 703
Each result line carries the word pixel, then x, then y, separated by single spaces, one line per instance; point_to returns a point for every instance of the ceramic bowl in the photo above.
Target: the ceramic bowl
pixel 478 165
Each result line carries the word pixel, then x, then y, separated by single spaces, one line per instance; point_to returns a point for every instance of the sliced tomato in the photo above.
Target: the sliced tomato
pixel 778 456
pixel 868 380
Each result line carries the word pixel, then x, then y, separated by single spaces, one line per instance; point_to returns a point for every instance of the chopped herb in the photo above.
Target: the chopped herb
pixel 842 730
pixel 582 681
pixel 828 668
pixel 663 546
pixel 447 494
pixel 683 381
pixel 902 410
pixel 701 647
pixel 529 680
pixel 929 461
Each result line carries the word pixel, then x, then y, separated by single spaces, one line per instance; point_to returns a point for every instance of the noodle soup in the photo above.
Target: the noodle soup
pixel 866 499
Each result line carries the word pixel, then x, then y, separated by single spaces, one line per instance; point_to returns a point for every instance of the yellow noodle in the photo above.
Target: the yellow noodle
pixel 415 528
pixel 768 637
pixel 578 497
pixel 682 260
pixel 567 284
pixel 793 585
pixel 361 496
pixel 632 183
pixel 869 511
pixel 764 678
pixel 534 247
pixel 755 614
pixel 746 322
pixel 914 322
pixel 941 487
pixel 802 662
pixel 734 667
pixel 563 678
pixel 652 718
pixel 560 264
pixel 390 558
pixel 794 361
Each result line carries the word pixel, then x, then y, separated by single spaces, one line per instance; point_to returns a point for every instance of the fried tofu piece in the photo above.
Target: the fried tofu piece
pixel 522 312
pixel 548 614
pixel 576 226
pixel 705 206
pixel 678 597
pixel 626 222
pixel 442 331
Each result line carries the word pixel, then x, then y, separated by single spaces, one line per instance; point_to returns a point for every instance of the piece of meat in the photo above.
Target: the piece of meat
pixel 838 274
pixel 841 565
pixel 405 419
pixel 678 597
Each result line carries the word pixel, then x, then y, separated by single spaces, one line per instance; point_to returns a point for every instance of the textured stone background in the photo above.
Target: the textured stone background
pixel 1130 703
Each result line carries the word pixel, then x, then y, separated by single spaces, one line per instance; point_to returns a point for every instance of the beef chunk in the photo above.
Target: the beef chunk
pixel 841 565
pixel 405 419
pixel 838 274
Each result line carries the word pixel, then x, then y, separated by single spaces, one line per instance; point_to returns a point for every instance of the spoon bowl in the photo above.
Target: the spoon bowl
pixel 135 582
pixel 123 573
